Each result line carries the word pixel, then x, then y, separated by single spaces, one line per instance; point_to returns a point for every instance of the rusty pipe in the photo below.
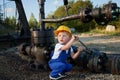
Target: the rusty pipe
pixel 67 18
pixel 113 63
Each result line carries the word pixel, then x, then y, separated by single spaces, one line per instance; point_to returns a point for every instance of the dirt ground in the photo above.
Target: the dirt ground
pixel 12 67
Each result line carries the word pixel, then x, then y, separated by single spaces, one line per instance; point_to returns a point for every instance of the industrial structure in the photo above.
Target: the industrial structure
pixel 37 45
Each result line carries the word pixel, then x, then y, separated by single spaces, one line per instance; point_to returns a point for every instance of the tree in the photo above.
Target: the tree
pixel 11 22
pixel 32 21
pixel 75 7
pixel 77 24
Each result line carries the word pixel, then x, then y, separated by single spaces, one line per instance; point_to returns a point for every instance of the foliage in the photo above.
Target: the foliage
pixel 11 22
pixel 116 23
pixel 75 7
pixel 61 12
pixel 77 24
pixel 32 21
pixel 8 26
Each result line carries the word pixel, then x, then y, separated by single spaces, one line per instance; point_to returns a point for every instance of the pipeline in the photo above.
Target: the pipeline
pixel 38 52
pixel 67 18
pixel 42 42
pixel 96 61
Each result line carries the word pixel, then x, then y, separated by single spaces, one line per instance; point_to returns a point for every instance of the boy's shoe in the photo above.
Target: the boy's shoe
pixel 55 78
pixel 62 75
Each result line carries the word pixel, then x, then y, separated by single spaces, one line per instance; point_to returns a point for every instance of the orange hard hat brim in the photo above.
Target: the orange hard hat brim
pixel 56 32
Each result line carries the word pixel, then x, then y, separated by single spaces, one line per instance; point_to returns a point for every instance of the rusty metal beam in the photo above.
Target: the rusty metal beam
pixel 67 18
pixel 23 19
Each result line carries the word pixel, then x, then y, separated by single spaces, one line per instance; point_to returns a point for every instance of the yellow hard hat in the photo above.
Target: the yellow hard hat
pixel 63 28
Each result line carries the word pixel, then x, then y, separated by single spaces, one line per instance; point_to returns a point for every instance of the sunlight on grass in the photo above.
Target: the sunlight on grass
pixel 98 31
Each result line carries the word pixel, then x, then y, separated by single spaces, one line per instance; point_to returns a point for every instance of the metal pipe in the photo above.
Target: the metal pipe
pixel 83 45
pixel 67 18
pixel 41 14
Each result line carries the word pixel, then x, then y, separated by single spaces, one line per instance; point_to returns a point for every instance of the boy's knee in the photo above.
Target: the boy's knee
pixel 68 67
pixel 63 66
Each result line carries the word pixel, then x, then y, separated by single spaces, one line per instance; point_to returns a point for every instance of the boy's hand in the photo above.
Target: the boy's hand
pixel 76 38
pixel 79 49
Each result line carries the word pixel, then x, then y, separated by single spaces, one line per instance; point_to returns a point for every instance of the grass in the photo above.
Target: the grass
pixel 98 31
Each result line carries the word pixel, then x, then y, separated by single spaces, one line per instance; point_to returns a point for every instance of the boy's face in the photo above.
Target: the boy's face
pixel 63 37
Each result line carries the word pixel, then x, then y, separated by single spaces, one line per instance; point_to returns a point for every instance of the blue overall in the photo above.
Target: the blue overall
pixel 60 65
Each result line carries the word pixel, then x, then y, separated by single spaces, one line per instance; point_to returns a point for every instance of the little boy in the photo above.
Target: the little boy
pixel 62 51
